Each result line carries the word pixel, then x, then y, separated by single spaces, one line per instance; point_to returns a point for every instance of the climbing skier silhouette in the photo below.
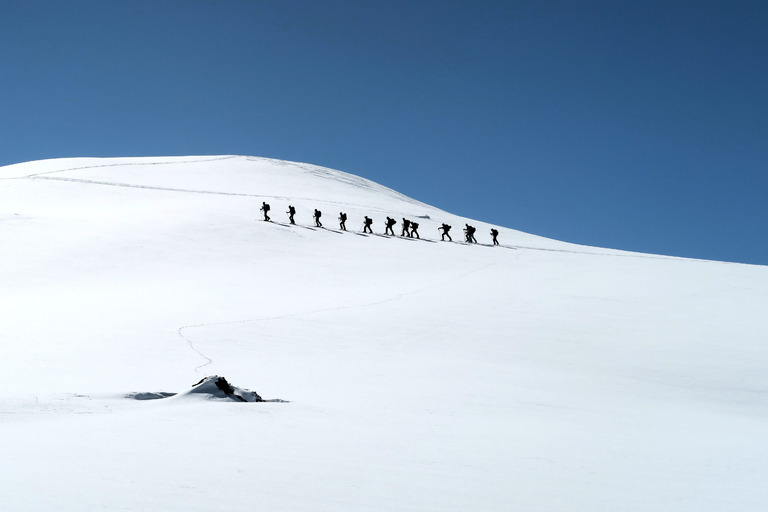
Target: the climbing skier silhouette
pixel 494 234
pixel 342 221
pixel 291 212
pixel 446 228
pixel 406 228
pixel 388 229
pixel 469 231
pixel 414 229
pixel 318 214
pixel 367 225
pixel 265 209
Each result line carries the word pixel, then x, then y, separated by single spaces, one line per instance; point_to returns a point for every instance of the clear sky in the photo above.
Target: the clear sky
pixel 639 125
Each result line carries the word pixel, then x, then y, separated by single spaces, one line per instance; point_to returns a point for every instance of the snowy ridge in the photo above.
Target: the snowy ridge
pixel 259 178
pixel 418 374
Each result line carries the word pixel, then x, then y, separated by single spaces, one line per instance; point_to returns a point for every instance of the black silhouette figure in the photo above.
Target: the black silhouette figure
pixel 494 234
pixel 446 228
pixel 342 221
pixel 367 225
pixel 291 212
pixel 414 229
pixel 406 228
pixel 469 232
pixel 318 214
pixel 388 229
pixel 265 209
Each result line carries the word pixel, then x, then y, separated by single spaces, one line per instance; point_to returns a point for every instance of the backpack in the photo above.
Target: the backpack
pixel 343 216
pixel 266 207
pixel 318 214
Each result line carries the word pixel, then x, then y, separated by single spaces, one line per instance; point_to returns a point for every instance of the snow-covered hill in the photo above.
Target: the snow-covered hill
pixel 398 374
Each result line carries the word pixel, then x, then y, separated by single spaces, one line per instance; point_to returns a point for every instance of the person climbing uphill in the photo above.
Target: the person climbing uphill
pixel 265 208
pixel 494 234
pixel 446 228
pixel 388 228
pixel 414 229
pixel 469 232
pixel 367 225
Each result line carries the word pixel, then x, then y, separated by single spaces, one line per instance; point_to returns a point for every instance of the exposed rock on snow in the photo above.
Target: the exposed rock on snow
pixel 214 386
pixel 218 387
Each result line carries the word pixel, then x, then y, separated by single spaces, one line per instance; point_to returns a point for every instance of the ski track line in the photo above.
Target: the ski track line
pixel 194 349
pixel 134 164
pixel 150 187
pixel 313 171
pixel 193 191
pixel 393 298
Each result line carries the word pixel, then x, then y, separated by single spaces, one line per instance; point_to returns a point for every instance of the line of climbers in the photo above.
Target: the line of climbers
pixel 409 227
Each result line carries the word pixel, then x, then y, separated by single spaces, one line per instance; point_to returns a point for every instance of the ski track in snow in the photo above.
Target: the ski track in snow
pixel 317 171
pixel 295 314
pixel 131 164
pixel 193 191
pixel 194 349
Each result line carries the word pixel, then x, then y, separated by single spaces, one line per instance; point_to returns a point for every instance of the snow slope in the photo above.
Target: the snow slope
pixel 407 374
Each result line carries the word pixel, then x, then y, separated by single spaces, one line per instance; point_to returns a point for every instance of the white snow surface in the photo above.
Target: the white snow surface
pixel 414 375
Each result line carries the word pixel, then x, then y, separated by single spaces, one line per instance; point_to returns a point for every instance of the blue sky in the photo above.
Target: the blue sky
pixel 631 125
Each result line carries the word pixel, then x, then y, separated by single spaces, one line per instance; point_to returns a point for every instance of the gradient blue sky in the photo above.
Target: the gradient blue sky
pixel 639 125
